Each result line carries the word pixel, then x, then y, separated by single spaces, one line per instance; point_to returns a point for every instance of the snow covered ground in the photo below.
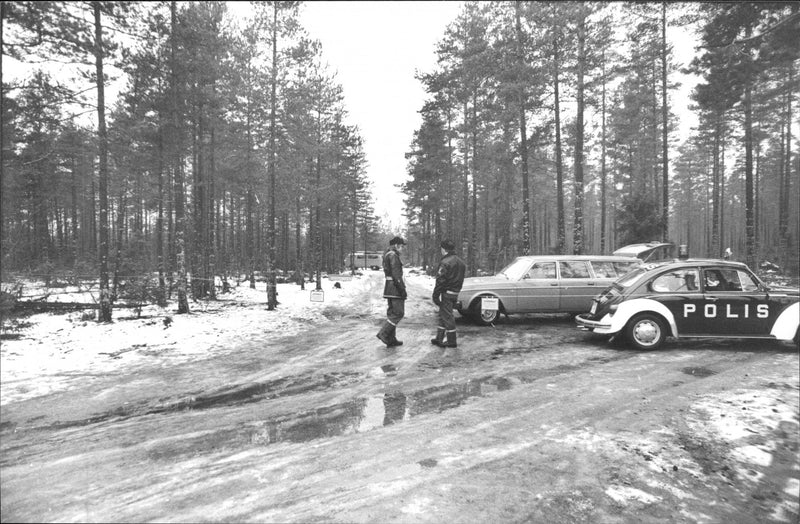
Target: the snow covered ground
pixel 56 350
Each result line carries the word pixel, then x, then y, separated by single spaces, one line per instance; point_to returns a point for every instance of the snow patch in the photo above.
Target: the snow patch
pixel 626 494
pixel 57 351
pixel 753 413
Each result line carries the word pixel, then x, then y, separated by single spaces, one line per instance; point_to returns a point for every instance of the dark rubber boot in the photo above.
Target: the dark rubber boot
pixel 384 334
pixel 438 341
pixel 451 340
pixel 393 342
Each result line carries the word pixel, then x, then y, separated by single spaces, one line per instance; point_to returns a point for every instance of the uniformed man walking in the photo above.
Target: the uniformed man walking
pixel 449 279
pixel 394 291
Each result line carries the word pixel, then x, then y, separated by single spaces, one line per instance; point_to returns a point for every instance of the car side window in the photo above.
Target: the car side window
pixel 731 280
pixel 677 281
pixel 604 269
pixel 714 281
pixel 574 269
pixel 748 283
pixel 542 270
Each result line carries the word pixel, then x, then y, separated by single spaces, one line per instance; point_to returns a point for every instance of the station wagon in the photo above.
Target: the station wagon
pixel 541 284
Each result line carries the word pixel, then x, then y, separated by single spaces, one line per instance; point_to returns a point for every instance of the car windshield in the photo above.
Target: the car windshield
pixel 516 269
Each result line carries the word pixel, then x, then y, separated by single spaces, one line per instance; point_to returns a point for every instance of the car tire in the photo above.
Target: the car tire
pixel 484 318
pixel 646 331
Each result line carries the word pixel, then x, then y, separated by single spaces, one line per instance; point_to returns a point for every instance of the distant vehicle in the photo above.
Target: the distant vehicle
pixel 649 251
pixel 693 298
pixel 541 284
pixel 364 259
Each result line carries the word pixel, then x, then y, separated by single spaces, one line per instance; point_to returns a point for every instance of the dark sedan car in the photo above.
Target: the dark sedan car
pixel 693 298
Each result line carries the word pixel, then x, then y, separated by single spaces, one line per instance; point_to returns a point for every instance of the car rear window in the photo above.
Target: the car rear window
pixel 604 269
pixel 625 267
pixel 680 280
pixel 629 278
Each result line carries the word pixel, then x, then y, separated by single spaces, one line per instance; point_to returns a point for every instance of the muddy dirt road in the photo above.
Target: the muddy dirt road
pixel 532 420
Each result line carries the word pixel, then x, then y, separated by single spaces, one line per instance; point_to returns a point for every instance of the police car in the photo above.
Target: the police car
pixel 693 298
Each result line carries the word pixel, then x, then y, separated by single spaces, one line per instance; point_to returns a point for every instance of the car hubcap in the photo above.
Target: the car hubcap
pixel 488 315
pixel 646 332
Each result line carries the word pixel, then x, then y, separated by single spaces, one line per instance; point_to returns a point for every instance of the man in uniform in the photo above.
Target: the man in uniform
pixel 394 291
pixel 449 279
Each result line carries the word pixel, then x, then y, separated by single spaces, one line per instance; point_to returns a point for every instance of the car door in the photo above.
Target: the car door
pixel 735 304
pixel 679 291
pixel 578 286
pixel 538 290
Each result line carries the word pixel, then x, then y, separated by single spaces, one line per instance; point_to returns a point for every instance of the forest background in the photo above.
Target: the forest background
pixel 549 128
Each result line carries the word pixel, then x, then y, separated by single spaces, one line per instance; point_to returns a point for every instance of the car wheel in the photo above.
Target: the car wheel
pixel 646 331
pixel 484 317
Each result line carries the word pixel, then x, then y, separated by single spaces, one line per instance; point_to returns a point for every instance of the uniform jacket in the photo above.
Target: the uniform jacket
pixel 450 275
pixel 395 286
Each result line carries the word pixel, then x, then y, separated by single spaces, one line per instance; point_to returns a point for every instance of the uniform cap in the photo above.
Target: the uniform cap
pixel 448 245
pixel 397 240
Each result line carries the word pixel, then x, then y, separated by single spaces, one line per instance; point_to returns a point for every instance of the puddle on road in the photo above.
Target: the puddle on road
pixel 390 370
pixel 365 414
pixel 356 416
pixel 699 372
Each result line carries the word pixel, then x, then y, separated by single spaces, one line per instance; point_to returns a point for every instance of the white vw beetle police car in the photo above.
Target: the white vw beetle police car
pixel 693 298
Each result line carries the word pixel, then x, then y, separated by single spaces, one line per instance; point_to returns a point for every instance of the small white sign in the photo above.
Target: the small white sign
pixel 317 295
pixel 490 304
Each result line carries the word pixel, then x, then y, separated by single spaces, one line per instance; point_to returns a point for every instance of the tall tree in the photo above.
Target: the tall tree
pixel 523 138
pixel 577 239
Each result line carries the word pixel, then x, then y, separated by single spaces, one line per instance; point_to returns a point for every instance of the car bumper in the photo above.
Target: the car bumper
pixel 597 326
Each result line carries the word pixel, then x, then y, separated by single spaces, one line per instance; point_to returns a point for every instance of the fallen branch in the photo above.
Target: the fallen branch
pixel 62 306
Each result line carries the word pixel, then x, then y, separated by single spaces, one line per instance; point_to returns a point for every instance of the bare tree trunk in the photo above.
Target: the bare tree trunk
pixel 577 243
pixel 180 219
pixel 561 234
pixel 161 294
pixel 105 296
pixel 603 174
pixel 272 300
pixel 665 127
pixel 523 139
pixel 786 172
pixel 715 192
pixel 750 243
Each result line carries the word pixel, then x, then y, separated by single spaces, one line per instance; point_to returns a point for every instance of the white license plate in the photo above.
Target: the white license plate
pixel 490 304
pixel 594 308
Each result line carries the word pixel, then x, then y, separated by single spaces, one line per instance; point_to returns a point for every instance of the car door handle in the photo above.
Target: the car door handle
pixel 591 283
pixel 712 299
pixel 554 284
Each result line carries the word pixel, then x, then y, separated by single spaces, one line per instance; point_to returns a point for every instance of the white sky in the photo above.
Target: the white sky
pixel 376 47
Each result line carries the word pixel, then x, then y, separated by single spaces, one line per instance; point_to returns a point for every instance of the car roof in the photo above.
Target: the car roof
pixel 697 262
pixel 598 258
